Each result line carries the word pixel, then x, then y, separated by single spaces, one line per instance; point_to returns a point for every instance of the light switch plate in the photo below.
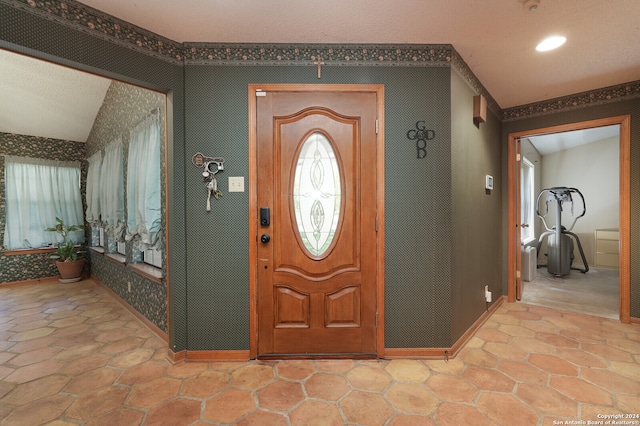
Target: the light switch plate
pixel 236 183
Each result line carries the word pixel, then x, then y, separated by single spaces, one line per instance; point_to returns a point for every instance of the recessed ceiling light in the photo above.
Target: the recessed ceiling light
pixel 551 43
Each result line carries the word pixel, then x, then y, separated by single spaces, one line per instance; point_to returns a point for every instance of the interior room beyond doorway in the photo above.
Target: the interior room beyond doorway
pixel 591 157
pixel 586 160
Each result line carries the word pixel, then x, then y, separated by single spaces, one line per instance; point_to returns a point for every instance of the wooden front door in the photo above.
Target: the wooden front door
pixel 316 158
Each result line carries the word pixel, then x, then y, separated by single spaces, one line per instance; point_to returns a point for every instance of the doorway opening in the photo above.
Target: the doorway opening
pixel 599 282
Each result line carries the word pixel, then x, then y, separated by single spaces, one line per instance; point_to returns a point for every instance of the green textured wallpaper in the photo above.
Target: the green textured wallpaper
pixel 417 218
pixel 476 213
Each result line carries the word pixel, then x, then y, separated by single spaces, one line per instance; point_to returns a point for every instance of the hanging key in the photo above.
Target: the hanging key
pixel 216 192
pixel 212 187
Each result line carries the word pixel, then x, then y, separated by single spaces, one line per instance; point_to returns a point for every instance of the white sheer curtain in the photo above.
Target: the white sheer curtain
pixel 93 211
pixel 143 184
pixel 37 191
pixel 112 190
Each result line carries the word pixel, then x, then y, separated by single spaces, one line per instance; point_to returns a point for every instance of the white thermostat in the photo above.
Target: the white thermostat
pixel 488 183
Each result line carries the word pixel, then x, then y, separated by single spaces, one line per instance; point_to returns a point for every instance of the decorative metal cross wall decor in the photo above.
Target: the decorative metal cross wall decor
pixel 319 63
pixel 421 135
pixel 211 165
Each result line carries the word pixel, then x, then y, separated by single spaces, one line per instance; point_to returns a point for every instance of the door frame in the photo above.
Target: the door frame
pixel 253 198
pixel 513 247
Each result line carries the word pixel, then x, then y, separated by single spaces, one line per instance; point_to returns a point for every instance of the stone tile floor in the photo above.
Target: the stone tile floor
pixel 70 354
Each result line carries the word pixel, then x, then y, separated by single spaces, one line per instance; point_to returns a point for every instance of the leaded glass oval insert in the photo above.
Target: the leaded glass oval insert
pixel 317 194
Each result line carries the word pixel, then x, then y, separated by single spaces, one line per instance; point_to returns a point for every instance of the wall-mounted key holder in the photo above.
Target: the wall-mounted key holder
pixel 211 166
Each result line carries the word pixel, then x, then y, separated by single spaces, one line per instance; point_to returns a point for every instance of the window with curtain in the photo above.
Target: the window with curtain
pixel 112 190
pixel 92 214
pixel 527 201
pixel 37 191
pixel 143 184
pixel 153 257
pixel 121 248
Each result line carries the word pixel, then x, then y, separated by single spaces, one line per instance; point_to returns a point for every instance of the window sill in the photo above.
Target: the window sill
pixel 527 241
pixel 28 251
pixel 99 250
pixel 116 258
pixel 147 271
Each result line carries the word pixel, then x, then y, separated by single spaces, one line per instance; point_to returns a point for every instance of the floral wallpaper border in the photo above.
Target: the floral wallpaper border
pixel 601 96
pixel 302 54
pixel 93 22
pixel 96 23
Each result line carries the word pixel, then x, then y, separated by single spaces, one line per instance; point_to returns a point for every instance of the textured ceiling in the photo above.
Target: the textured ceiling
pixel 496 38
pixel 41 99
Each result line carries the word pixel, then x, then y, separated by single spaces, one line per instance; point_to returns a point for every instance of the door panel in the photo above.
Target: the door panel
pixel 316 278
pixel 342 307
pixel 291 308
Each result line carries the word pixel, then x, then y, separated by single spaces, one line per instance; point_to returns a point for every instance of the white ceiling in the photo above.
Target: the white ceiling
pixel 548 144
pixel 496 38
pixel 41 99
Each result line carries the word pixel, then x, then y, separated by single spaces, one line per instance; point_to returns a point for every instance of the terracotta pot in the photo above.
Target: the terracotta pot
pixel 70 270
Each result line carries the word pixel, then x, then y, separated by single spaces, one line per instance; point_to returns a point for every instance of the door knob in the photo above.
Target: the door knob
pixel 265 238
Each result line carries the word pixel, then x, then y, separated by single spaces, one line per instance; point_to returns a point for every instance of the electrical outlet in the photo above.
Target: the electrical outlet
pixel 129 287
pixel 236 183
pixel 487 294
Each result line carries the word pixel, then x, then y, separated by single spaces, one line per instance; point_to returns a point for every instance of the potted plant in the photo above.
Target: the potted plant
pixel 67 258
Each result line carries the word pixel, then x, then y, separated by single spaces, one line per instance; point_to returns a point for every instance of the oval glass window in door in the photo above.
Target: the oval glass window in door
pixel 317 194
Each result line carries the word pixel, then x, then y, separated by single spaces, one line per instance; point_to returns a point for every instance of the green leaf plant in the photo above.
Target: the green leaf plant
pixel 66 252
